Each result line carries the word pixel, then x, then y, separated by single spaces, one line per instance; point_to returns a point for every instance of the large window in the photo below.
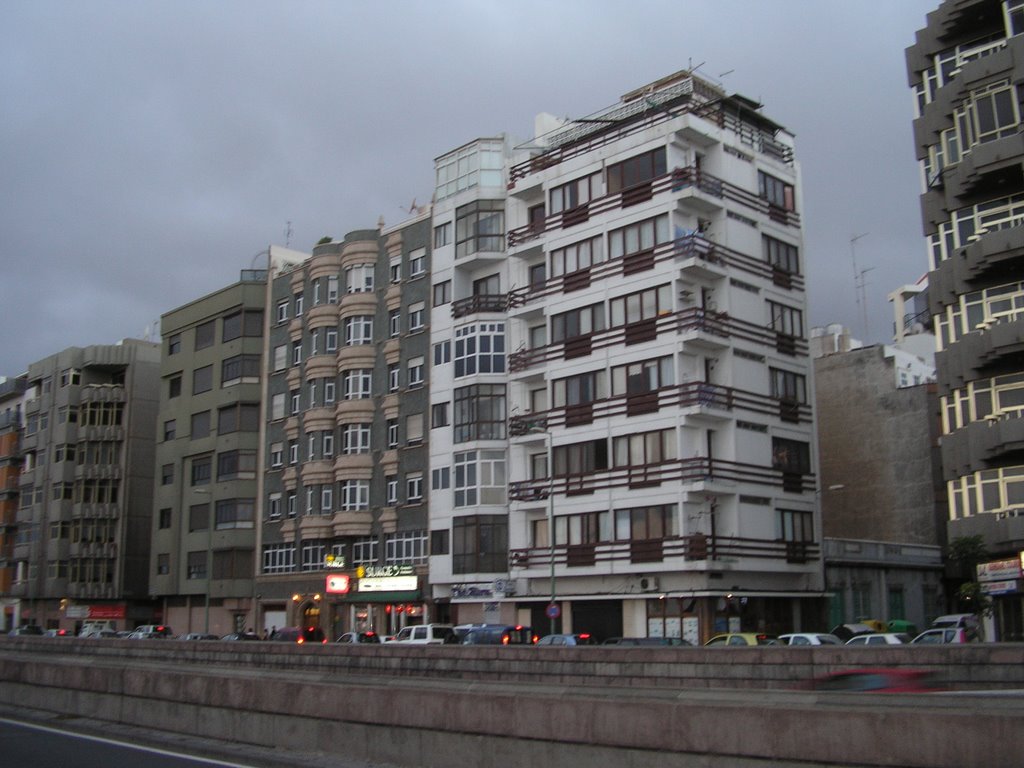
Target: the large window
pixel 644 305
pixel 577 322
pixel 480 544
pixel 359 278
pixel 639 237
pixel 575 193
pixel 206 334
pixel 479 348
pixel 645 448
pixel 240 369
pixel 580 458
pixel 777 192
pixel 278 558
pixel 235 513
pixel 785 319
pixel 577 256
pixel 480 413
pixel 202 379
pixel 357 384
pixel 355 438
pixel 358 330
pixel 479 478
pixel 236 464
pixel 636 170
pixel 794 525
pixel 480 227
pixel 581 389
pixel 786 385
pixel 479 164
pixel 355 495
pixel 791 456
pixel 781 255
pixel 406 548
pixel 645 523
pixel 238 324
pixel 240 417
pixel 643 377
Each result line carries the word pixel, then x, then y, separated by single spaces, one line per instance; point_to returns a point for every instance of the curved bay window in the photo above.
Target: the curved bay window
pixel 480 227
pixel 479 413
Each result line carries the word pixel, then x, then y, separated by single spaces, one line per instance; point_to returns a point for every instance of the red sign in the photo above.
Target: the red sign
pixel 106 611
pixel 338 584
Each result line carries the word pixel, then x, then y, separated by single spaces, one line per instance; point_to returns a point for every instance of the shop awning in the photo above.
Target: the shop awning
pixel 414 596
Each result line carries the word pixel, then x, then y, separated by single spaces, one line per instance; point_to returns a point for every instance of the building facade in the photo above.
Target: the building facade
pixel 86 487
pixel 966 69
pixel 204 493
pixel 622 439
pixel 12 392
pixel 343 535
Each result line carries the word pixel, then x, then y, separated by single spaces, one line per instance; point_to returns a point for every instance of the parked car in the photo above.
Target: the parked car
pixel 151 632
pixel 426 634
pixel 645 641
pixel 94 628
pixel 199 636
pixel 582 638
pixel 735 639
pixel 809 638
pixel 369 637
pixel 845 631
pixel 942 636
pixel 240 636
pixel 965 621
pixel 26 629
pixel 58 633
pixel 299 635
pixel 880 638
pixel 500 634
pixel 879 680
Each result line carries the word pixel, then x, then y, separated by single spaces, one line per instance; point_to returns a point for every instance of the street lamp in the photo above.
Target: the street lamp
pixel 552 606
pixel 209 558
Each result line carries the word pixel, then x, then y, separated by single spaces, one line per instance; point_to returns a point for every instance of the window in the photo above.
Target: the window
pixel 439 415
pixel 246 323
pixel 794 525
pixel 789 386
pixel 293 451
pixel 416 316
pixel 164 520
pixel 355 438
pixel 479 478
pixel 638 238
pixel 234 513
pixel 572 258
pixel 326 500
pixel 329 389
pixel 395 270
pixel 408 547
pixel 358 330
pixel 480 227
pixel 392 433
pixel 576 193
pixel 414 429
pixel 642 377
pixel 173 387
pixel 415 372
pixel 240 369
pixel 357 384
pixel 332 289
pixel 317 291
pixel 355 495
pixel 781 255
pixel 637 307
pixel 442 353
pixel 280 357
pixel 331 340
pixel 480 348
pixel 394 377
pixel 196 565
pixel 364 551
pixel 580 458
pixel 479 413
pixel 391 489
pixel 236 464
pixel 290 503
pixel 295 402
pixel 791 456
pixel 167 474
pixel 785 319
pixel 442 234
pixel 163 564
pixel 995 112
pixel 202 379
pixel 314 342
pixel 414 488
pixel 442 293
pixel 327 443
pixel 440 478
pixel 170 427
pixel 240 417
pixel 646 448
pixel 417 263
pixel 298 301
pixel 276 455
pixel 479 164
pixel 636 170
pixel 296 352
pixel 174 344
pixel 201 470
pixel 577 322
pixel 282 311
pixel 777 192
pixel 480 544
pixel 645 523
pixel 277 406
pixel 581 389
pixel 313 555
pixel 278 558
pixel 394 323
pixel 205 334
pixel 359 278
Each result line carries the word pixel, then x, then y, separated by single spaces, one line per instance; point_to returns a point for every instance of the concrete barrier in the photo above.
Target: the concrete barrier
pixel 607 706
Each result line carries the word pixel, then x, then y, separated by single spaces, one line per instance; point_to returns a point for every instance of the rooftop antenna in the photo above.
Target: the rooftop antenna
pixel 287 234
pixel 859 292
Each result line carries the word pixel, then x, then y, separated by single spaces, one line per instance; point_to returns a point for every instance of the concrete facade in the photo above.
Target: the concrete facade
pixel 204 493
pixel 86 486
pixel 966 69
pixel 12 393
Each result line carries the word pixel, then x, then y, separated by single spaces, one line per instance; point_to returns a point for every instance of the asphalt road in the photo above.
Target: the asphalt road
pixel 32 740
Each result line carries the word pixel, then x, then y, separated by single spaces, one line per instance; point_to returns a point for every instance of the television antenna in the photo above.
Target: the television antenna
pixel 859 283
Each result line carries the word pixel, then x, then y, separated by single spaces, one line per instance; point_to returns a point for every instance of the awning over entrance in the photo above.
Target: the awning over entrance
pixel 383 597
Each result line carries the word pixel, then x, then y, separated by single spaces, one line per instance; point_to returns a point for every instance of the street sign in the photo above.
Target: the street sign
pixel 553 611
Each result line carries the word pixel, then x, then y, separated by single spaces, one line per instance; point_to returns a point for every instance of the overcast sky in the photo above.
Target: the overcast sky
pixel 150 150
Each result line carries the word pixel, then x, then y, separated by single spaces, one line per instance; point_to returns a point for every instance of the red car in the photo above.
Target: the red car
pixel 877 680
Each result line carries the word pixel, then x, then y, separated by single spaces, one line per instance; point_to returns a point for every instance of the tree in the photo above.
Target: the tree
pixel 966 552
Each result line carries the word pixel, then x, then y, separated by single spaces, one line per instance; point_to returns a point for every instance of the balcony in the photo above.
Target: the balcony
pixel 692 470
pixel 676 550
pixel 479 303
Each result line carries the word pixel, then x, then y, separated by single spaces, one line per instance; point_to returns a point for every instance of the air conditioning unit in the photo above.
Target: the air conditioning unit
pixel 650 584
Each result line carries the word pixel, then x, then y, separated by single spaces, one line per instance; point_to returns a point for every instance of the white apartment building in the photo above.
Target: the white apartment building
pixel 621 438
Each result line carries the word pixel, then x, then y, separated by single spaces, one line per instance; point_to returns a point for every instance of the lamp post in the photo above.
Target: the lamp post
pixel 209 557
pixel 552 609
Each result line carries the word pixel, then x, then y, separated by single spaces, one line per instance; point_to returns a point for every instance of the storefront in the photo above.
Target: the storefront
pixel 382 599
pixel 1000 580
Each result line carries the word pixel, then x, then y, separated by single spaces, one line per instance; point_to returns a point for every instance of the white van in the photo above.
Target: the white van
pixel 968 622
pixel 426 634
pixel 96 628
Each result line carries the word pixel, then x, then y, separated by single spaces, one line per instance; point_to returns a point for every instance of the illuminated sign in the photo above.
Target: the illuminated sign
pixel 467 591
pixel 1006 587
pixel 338 584
pixel 383 571
pixel 388 584
pixel 334 561
pixel 999 570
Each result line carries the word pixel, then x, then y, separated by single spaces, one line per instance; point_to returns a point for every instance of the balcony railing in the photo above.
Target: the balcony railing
pixel 712 324
pixel 479 303
pixel 688 395
pixel 692 548
pixel 692 470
